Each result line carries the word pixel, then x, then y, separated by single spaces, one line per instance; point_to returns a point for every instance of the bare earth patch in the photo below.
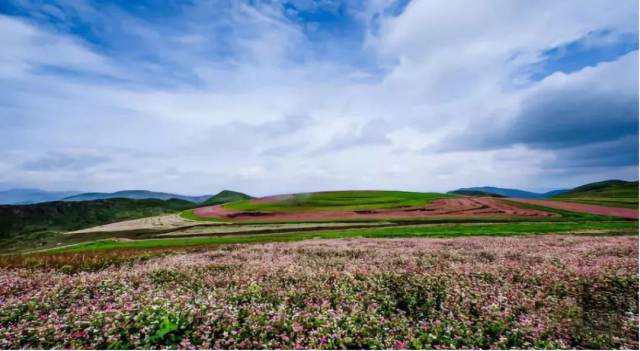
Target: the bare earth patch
pixel 160 223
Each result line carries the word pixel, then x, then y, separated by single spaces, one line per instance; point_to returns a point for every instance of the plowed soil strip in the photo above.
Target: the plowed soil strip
pixel 441 208
pixel 593 209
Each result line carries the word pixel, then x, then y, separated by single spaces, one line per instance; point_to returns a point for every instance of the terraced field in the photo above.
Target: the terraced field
pixel 368 205
pixel 338 214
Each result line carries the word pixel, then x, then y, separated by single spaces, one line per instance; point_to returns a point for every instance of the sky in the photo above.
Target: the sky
pixel 271 97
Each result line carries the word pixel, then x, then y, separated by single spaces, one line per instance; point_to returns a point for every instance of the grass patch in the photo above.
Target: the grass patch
pixel 339 200
pixel 190 215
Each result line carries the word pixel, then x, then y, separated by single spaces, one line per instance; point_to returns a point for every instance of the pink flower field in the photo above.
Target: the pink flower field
pixel 529 292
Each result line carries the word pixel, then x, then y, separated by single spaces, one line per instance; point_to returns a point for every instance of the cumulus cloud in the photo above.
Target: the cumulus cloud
pixel 296 96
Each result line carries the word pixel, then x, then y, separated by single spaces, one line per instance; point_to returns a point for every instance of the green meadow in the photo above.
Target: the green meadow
pixel 338 200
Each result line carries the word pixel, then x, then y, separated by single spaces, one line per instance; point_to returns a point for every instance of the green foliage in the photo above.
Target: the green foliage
pixel 226 196
pixel 25 221
pixel 188 214
pixel 339 200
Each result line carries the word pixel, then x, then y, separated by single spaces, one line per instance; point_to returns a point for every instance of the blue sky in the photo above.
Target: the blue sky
pixel 287 96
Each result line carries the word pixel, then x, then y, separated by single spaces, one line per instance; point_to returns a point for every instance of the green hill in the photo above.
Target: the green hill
pixel 43 222
pixel 336 200
pixel 226 196
pixel 617 193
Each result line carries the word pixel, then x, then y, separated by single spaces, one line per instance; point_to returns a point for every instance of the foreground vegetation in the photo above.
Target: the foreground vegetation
pixel 534 292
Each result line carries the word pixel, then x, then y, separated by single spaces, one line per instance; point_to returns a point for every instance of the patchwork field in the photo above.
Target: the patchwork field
pixel 344 214
pixel 364 205
pixel 372 269
pixel 529 292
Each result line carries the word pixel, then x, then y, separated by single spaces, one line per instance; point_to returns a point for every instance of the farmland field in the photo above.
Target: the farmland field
pixel 319 175
pixel 330 215
pixel 331 270
pixel 528 292
pixel 344 200
pixel 342 205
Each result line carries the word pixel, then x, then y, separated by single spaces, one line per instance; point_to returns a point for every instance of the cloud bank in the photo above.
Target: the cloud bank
pixel 279 97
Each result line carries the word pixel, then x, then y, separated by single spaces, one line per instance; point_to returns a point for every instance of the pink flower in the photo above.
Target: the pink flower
pixel 79 334
pixel 186 344
pixel 399 344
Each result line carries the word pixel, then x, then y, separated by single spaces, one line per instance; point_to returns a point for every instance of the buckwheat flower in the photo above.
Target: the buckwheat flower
pixel 400 344
pixel 185 344
pixel 79 334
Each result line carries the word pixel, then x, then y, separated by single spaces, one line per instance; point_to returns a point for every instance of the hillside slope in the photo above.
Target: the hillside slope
pixel 619 193
pixel 21 224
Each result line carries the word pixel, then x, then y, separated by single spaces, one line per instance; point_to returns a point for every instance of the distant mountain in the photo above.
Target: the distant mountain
pixel 614 192
pixel 505 192
pixel 226 196
pixel 29 196
pixel 473 193
pixel 135 195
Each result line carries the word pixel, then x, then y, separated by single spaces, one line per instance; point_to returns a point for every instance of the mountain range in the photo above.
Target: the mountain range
pixel 505 192
pixel 136 195
pixel 29 196
pixel 32 196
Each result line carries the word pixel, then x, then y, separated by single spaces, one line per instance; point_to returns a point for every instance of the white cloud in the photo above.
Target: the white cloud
pixel 268 116
pixel 26 47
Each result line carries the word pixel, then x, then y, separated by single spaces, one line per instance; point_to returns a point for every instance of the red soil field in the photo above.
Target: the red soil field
pixel 594 209
pixel 456 207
